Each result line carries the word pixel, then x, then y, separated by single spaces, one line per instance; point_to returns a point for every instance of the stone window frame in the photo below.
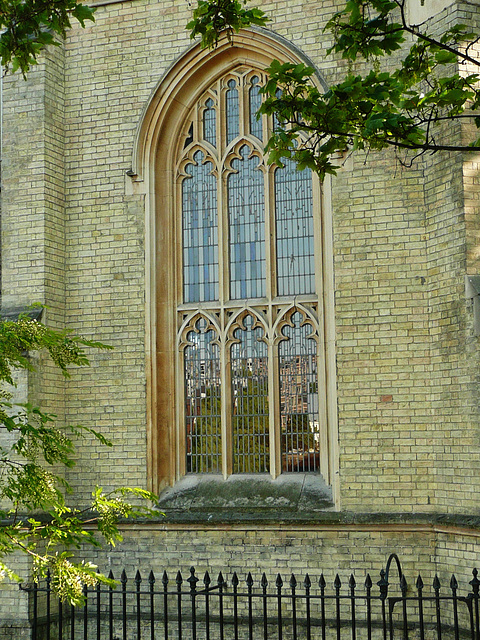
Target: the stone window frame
pixel 160 135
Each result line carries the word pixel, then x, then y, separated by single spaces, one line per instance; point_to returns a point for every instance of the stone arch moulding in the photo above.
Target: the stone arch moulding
pixel 160 134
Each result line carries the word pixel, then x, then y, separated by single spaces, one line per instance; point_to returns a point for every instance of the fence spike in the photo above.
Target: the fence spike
pixel 179 578
pixel 337 582
pixel 368 582
pixel 351 583
pixel 436 583
pixel 307 583
pixel 235 579
pixel 206 579
pixel 110 575
pixel 403 584
pixel 48 578
pixel 221 582
pixel 165 579
pixel 249 580
pixel 138 577
pixel 453 584
pixel 264 581
pixel 123 577
pixel 151 577
pixel 321 582
pixel 293 581
pixel 279 581
pixel 419 583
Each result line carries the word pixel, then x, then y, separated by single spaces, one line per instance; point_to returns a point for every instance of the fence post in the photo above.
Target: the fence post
pixel 404 588
pixel 454 587
pixel 419 586
pixel 337 584
pixel 264 585
pixel 383 586
pixel 138 583
pixel 368 588
pixel 165 603
pixel 151 588
pixel 207 581
pixel 475 582
pixel 235 582
pixel 124 580
pixel 192 581
pixel 293 586
pixel 322 584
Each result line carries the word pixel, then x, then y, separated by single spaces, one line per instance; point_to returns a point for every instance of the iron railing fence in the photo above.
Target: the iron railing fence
pixel 204 609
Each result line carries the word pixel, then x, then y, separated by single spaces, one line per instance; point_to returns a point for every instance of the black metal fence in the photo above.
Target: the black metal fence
pixel 204 609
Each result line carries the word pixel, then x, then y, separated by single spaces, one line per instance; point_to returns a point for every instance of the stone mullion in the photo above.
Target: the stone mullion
pixel 181 439
pixel 224 289
pixel 274 408
pixel 321 364
pixel 226 407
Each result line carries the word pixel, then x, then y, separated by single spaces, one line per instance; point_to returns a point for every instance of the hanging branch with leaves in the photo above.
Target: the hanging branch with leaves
pixel 35 517
pixel 406 108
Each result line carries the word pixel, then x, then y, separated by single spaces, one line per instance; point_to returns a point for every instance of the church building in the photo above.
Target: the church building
pixel 296 362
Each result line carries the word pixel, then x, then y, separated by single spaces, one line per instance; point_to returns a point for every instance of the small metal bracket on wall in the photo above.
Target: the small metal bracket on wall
pixel 472 293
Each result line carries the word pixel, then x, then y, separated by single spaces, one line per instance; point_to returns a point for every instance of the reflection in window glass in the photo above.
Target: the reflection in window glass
pixel 200 233
pixel 246 207
pixel 250 401
pixel 202 401
pixel 299 398
pixel 294 228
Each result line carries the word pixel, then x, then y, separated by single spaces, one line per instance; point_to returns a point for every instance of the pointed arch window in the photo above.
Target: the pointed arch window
pixel 248 313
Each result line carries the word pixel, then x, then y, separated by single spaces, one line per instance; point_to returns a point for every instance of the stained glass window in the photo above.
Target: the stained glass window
pixel 202 401
pixel 246 208
pixel 200 237
pixel 255 104
pixel 232 111
pixel 248 312
pixel 250 400
pixel 294 231
pixel 210 122
pixel 299 397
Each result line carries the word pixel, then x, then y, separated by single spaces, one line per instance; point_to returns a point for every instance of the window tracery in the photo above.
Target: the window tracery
pixel 248 340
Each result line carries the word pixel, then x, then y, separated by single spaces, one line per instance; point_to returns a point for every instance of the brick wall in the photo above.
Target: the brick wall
pixel 403 240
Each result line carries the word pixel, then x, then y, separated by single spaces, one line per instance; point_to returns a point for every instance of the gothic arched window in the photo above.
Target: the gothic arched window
pixel 249 280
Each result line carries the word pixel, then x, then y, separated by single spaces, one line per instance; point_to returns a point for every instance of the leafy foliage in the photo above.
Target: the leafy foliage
pixel 27 26
pixel 35 517
pixel 406 108
pixel 211 18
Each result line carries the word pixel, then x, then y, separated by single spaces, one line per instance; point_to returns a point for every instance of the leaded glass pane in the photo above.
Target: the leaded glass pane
pixel 210 123
pixel 250 401
pixel 299 398
pixel 233 111
pixel 246 208
pixel 200 232
pixel 255 104
pixel 294 226
pixel 202 401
